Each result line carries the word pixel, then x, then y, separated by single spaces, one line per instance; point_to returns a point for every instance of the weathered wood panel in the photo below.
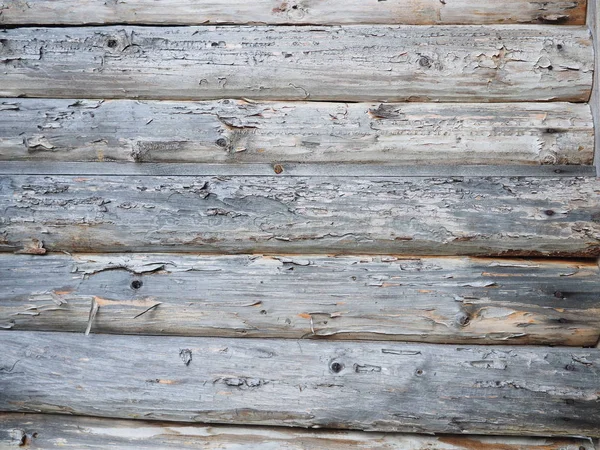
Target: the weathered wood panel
pixel 198 12
pixel 443 300
pixel 357 63
pixel 394 215
pixel 45 431
pixel 238 131
pixel 360 385
pixel 594 25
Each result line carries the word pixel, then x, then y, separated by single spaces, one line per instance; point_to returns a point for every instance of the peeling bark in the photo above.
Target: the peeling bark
pixel 442 300
pixel 242 132
pixel 419 387
pixel 394 215
pixel 357 63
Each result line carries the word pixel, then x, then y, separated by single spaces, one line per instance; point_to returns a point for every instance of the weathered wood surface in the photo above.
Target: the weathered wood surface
pixel 238 131
pixel 395 215
pixel 357 63
pixel 198 12
pixel 46 431
pixel 336 170
pixel 379 386
pixel 443 300
pixel 593 20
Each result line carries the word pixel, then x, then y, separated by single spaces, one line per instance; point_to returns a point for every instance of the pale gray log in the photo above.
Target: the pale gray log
pixel 290 169
pixel 197 12
pixel 238 131
pixel 443 300
pixel 357 385
pixel 49 431
pixel 352 63
pixel 440 216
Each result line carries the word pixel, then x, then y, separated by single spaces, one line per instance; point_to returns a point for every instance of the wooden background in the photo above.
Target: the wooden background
pixel 231 224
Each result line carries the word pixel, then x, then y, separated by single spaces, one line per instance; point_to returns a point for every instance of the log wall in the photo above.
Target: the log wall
pixel 309 175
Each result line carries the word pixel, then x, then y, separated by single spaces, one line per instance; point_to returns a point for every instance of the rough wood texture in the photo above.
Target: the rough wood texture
pixel 45 431
pixel 356 63
pixel 410 215
pixel 197 12
pixel 443 300
pixel 238 131
pixel 360 385
pixel 593 19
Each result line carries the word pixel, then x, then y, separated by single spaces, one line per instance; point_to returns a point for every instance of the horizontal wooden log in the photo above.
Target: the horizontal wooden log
pixel 443 300
pixel 337 170
pixel 357 63
pixel 354 385
pixel 238 131
pixel 48 431
pixel 393 215
pixel 198 12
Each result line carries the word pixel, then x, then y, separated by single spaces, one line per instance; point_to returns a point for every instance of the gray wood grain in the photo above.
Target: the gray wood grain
pixel 230 131
pixel 358 385
pixel 443 300
pixel 197 12
pixel 440 216
pixel 593 21
pixel 282 170
pixel 48 431
pixel 353 63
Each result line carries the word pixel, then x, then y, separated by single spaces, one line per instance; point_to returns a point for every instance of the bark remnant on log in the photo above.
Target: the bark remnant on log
pixel 353 63
pixel 438 300
pixel 490 216
pixel 241 132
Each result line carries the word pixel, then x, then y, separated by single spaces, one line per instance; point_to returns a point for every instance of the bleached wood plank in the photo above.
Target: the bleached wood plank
pixel 352 385
pixel 383 215
pixel 353 63
pixel 198 12
pixel 238 131
pixel 440 300
pixel 47 431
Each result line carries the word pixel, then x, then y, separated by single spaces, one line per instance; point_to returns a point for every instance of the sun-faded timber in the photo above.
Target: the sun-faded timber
pixel 401 387
pixel 47 431
pixel 327 12
pixel 444 300
pixel 219 214
pixel 352 63
pixel 238 131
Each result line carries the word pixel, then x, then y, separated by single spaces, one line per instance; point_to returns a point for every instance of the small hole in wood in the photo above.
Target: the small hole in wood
pixel 221 142
pixel 136 284
pixel 570 367
pixel 419 372
pixel 559 46
pixel 336 367
pixel 549 212
pixel 112 43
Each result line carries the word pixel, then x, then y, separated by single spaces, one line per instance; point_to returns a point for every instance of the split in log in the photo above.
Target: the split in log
pixel 438 300
pixel 238 131
pixel 354 63
pixel 279 215
pixel 45 432
pixel 375 386
pixel 198 12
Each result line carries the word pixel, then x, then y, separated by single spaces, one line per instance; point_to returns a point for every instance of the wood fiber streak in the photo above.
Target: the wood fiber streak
pixel 230 131
pixel 378 386
pixel 198 12
pixel 45 432
pixel 353 63
pixel 438 300
pixel 427 216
